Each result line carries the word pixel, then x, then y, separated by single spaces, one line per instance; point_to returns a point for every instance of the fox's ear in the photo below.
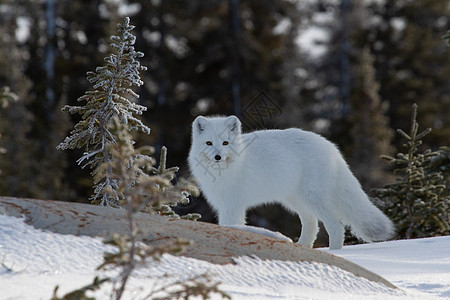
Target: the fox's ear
pixel 199 124
pixel 233 124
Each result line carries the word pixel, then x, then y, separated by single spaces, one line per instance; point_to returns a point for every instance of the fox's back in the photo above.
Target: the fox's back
pixel 292 145
pixel 286 159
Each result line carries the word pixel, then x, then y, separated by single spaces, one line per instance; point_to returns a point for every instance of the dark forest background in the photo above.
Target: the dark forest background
pixel 349 70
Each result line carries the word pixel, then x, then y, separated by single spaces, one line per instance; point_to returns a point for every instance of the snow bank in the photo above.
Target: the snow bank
pixel 34 262
pixel 419 264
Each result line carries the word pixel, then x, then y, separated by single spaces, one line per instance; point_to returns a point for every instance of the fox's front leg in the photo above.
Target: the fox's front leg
pixel 231 214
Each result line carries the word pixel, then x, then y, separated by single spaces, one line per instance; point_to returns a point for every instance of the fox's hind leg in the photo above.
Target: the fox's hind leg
pixel 310 228
pixel 335 230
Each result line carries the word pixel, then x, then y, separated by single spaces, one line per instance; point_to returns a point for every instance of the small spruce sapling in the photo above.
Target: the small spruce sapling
pixel 165 208
pixel 138 189
pixel 113 90
pixel 416 202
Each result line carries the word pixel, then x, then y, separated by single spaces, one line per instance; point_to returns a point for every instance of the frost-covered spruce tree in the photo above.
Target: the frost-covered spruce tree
pixel 112 96
pixel 417 202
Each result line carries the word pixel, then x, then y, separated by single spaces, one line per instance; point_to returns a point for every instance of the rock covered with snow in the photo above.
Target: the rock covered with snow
pixel 211 243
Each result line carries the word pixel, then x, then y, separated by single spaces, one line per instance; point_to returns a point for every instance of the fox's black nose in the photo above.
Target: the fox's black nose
pixel 217 157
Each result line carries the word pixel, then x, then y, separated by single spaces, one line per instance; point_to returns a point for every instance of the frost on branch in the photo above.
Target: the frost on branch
pixel 112 97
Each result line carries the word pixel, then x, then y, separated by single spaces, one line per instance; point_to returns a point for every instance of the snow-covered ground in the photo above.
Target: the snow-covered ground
pixel 33 262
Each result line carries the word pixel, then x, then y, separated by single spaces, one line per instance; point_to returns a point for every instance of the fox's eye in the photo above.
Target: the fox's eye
pixel 209 143
pixel 225 143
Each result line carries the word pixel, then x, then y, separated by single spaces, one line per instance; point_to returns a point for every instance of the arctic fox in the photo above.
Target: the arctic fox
pixel 301 170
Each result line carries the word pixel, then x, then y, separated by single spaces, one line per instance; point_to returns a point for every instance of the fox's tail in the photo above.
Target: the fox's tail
pixel 366 220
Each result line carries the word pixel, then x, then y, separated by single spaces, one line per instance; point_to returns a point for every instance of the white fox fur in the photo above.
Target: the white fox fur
pixel 299 169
